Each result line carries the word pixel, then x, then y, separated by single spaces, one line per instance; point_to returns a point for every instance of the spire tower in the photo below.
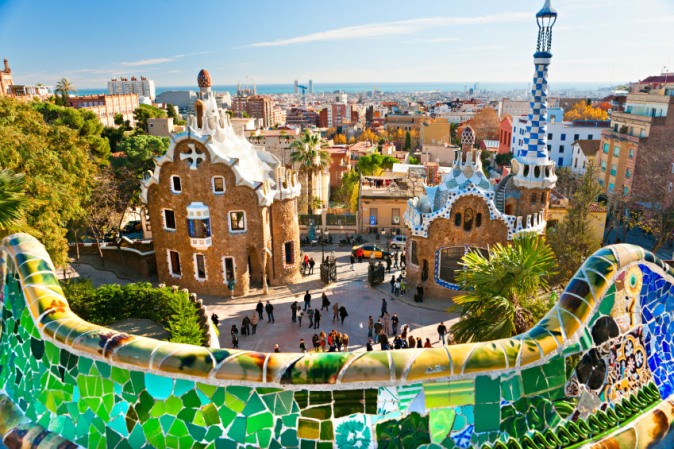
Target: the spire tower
pixel 532 166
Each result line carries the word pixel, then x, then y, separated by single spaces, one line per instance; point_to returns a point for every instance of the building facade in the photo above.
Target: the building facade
pixel 465 211
pixel 223 211
pixel 5 80
pixel 505 135
pixel 107 106
pixel 142 87
pixel 584 155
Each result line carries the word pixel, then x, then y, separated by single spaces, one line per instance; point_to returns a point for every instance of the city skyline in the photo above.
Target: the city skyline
pixel 350 43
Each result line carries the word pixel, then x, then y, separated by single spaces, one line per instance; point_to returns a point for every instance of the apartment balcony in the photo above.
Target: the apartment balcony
pixel 201 243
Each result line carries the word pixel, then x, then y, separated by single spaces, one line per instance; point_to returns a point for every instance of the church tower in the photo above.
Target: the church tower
pixel 534 172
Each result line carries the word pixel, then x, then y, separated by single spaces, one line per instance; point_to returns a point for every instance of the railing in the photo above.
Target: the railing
pixel 340 220
pixel 201 243
pixel 306 219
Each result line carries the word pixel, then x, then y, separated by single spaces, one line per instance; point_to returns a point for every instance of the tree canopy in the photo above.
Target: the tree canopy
pixel 584 111
pixel 375 163
pixel 144 112
pixel 485 124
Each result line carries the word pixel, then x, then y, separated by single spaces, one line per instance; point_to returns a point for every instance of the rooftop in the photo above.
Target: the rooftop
pixel 588 147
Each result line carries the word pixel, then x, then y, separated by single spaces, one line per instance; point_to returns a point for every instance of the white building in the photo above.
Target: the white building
pixel 561 135
pixel 143 87
pixel 584 154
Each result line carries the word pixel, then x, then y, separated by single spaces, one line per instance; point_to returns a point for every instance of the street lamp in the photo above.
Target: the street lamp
pixel 324 236
pixel 388 237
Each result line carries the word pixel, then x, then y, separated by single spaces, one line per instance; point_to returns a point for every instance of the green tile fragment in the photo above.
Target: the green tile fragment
pixel 487 390
pixel 487 417
pixel 258 422
pixel 308 428
pixel 327 431
pixel 254 405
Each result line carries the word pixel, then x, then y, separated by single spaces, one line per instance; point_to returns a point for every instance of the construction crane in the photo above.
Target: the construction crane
pixel 304 93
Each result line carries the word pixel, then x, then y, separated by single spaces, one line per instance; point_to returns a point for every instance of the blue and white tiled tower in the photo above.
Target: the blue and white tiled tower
pixel 532 166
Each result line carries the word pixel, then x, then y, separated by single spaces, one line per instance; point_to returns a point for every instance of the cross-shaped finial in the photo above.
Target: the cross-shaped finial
pixel 194 156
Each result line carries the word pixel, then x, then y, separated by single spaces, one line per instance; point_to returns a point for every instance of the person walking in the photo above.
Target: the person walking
pixel 378 328
pixel 293 311
pixel 393 283
pixel 235 336
pixel 312 262
pixel 359 255
pixel 442 330
pixel 307 300
pixel 215 319
pixel 300 314
pixel 428 343
pixel 325 302
pixel 353 262
pixel 245 325
pixel 343 314
pixel 253 322
pixel 388 264
pixel 303 347
pixel 310 314
pixel 335 312
pixel 396 287
pixel 394 323
pixel 403 287
pixel 395 259
pixel 387 324
pixel 270 312
pixel 420 293
pixel 368 346
pixel 384 307
pixel 403 258
pixel 260 308
pixel 317 319
pixel 370 326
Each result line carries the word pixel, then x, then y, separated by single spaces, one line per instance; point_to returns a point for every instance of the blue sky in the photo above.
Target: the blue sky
pixel 347 41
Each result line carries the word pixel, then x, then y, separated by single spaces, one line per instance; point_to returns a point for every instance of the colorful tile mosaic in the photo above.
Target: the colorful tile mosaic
pixel 600 358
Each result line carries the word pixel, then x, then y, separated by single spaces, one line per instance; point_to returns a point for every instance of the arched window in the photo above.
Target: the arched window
pixel 468 219
pixel 478 220
pixel 457 219
pixel 533 199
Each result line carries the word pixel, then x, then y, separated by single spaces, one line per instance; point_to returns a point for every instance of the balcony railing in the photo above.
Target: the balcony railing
pixel 201 243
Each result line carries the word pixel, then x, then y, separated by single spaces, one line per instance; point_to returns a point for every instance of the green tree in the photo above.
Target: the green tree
pixel 140 151
pixel 413 160
pixel 503 159
pixel 59 168
pixel 171 111
pixel 573 240
pixel 349 182
pixel 144 112
pixel 502 288
pixel 63 88
pixel 13 205
pixel 309 154
pixel 408 141
pixel 375 163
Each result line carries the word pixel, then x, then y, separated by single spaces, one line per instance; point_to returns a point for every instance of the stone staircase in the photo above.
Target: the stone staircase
pixel 499 198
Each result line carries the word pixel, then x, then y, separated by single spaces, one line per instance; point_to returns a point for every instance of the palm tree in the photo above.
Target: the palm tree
pixel 63 88
pixel 308 152
pixel 501 288
pixel 13 204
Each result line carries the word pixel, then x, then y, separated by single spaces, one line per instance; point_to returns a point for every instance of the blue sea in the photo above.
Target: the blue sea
pixel 329 88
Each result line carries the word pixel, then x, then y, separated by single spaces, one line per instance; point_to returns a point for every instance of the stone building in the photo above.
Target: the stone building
pixel 222 208
pixel 107 106
pixel 465 211
pixel 5 80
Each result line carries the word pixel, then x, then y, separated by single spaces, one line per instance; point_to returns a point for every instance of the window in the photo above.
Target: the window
pixel 237 221
pixel 611 187
pixel 669 187
pixel 174 263
pixel 289 248
pixel 549 136
pixel 449 263
pixel 560 162
pixel 228 268
pixel 468 219
pixel 200 267
pixel 601 182
pixel 576 137
pixel 176 185
pixel 478 220
pixel 169 220
pixel 605 148
pixel 563 138
pixel 533 199
pixel 561 148
pixel 590 137
pixel 628 173
pixel 395 216
pixel 457 219
pixel 414 258
pixel 549 148
pixel 616 151
pixel 603 165
pixel 626 190
pixel 614 170
pixel 631 153
pixel 199 229
pixel 218 185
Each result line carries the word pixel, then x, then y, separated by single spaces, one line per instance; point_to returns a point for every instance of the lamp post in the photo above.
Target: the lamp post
pixel 324 236
pixel 387 235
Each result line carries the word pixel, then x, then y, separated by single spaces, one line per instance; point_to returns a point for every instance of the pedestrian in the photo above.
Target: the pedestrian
pixel 316 342
pixel 403 287
pixel 395 259
pixel 303 347
pixel 253 322
pixel 404 329
pixel 442 330
pixel 370 325
pixel 306 264
pixel 393 283
pixel 368 346
pixel 307 300
pixel 345 342
pixel 353 262
pixel 359 255
pixel 378 328
pixel 384 307
pixel 335 312
pixel 215 319
pixel 317 319
pixel 383 341
pixel 396 287
pixel 325 302
pixel 394 323
pixel 428 343
pixel 397 342
pixel 270 312
pixel 260 308
pixel 411 342
pixel 419 343
pixel 387 324
pixel 235 337
pixel 245 325
pixel 310 314
pixel 343 314
pixel 293 311
pixel 420 293
pixel 312 262
pixel 403 258
pixel 276 348
pixel 299 316
pixel 388 264
pixel 338 341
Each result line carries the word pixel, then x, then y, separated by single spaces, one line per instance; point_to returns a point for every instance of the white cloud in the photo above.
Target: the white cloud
pixel 431 40
pixel 391 28
pixel 143 62
pixel 661 19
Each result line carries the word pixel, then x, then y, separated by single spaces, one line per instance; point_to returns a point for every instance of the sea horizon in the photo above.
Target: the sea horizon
pixel 391 87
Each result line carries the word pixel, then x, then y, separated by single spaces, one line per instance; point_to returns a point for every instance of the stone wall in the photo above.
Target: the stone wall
pixel 140 263
pixel 285 223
